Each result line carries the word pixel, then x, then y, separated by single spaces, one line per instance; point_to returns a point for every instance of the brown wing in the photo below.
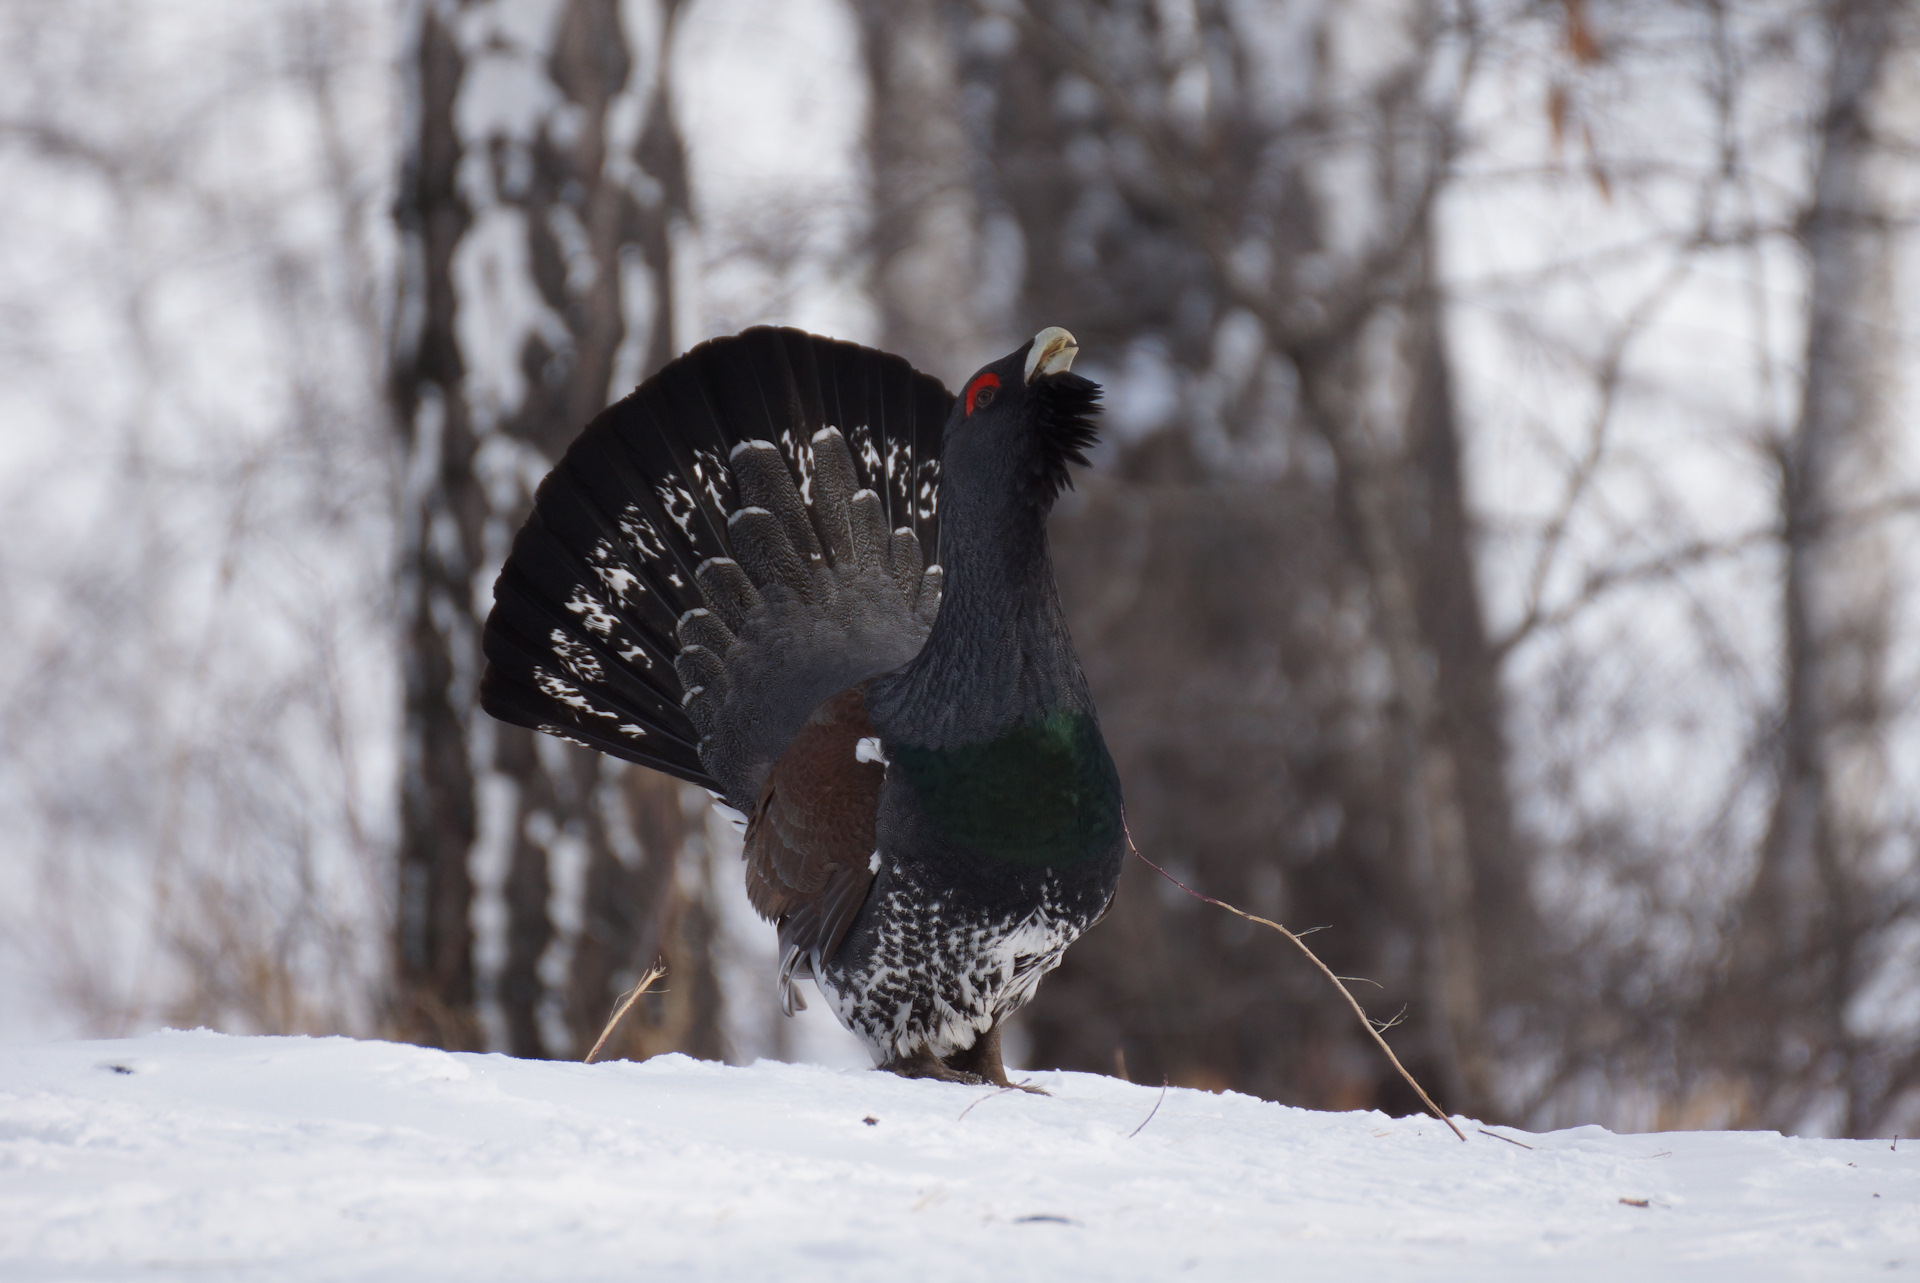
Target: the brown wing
pixel 810 842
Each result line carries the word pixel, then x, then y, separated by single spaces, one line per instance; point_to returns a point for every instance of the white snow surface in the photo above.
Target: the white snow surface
pixel 205 1155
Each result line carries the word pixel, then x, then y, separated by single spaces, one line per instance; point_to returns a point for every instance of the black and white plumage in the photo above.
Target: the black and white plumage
pixel 805 576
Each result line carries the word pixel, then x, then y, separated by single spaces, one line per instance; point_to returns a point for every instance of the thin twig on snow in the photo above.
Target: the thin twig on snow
pixel 1151 1112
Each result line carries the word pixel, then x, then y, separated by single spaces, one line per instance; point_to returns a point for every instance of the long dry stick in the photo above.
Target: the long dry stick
pixel 654 973
pixel 1326 971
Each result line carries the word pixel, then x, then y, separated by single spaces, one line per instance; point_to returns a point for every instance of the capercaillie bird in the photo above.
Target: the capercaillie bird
pixel 807 577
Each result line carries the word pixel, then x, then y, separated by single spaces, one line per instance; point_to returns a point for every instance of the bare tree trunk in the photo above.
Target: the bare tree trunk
pixel 1381 401
pixel 937 295
pixel 441 507
pixel 1795 958
pixel 1271 265
pixel 546 235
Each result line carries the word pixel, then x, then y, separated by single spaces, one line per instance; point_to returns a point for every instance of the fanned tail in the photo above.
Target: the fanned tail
pixel 740 539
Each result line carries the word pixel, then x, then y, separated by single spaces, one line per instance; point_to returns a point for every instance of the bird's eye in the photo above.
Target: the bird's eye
pixel 981 391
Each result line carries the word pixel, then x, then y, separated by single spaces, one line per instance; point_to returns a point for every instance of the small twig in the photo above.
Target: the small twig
pixel 1326 971
pixel 1362 980
pixel 1151 1112
pixel 989 1096
pixel 1390 1022
pixel 1510 1140
pixel 654 973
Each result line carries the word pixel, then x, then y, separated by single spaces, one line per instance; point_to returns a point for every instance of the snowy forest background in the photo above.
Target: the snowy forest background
pixel 1503 550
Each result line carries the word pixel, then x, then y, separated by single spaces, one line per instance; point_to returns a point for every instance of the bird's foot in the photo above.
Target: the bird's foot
pixel 976 1066
pixel 924 1064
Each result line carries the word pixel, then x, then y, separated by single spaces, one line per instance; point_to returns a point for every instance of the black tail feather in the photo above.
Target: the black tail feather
pixel 582 638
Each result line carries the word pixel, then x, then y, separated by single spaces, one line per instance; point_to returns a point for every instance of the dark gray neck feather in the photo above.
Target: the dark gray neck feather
pixel 999 653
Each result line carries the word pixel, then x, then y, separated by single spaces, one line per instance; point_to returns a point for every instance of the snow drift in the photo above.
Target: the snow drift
pixel 207 1156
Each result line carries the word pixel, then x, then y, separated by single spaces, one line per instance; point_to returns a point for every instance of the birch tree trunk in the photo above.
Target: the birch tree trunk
pixel 1798 956
pixel 543 188
pixel 939 305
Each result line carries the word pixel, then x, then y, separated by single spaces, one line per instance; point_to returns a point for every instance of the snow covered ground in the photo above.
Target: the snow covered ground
pixel 207 1156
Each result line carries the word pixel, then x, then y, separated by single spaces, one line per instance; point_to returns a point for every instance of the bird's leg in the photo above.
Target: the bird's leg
pixel 983 1060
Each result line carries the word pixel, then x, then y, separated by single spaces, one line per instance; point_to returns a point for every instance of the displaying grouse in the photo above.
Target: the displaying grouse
pixel 804 575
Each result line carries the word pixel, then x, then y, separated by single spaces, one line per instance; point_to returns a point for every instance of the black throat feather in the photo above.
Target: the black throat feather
pixel 1065 404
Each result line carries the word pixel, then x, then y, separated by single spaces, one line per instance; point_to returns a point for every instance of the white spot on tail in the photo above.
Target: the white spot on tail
pixel 583 663
pixel 594 614
pixel 559 733
pixel 618 578
pixel 868 750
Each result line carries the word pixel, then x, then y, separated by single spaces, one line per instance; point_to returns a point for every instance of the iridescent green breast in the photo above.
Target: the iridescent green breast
pixel 1045 793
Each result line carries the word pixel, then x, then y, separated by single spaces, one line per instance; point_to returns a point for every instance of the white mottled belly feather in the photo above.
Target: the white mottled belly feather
pixel 939 982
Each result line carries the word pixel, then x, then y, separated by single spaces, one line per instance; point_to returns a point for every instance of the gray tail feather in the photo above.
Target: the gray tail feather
pixel 818 597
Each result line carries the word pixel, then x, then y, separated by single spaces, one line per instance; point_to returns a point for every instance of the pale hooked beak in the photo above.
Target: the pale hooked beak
pixel 1052 352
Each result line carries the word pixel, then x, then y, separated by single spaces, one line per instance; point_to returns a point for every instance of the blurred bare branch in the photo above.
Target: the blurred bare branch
pixel 192 687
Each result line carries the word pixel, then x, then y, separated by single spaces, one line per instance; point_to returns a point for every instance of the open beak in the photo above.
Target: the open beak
pixel 1052 352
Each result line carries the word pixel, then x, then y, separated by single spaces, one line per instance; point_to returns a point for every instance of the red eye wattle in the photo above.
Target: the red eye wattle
pixel 981 391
